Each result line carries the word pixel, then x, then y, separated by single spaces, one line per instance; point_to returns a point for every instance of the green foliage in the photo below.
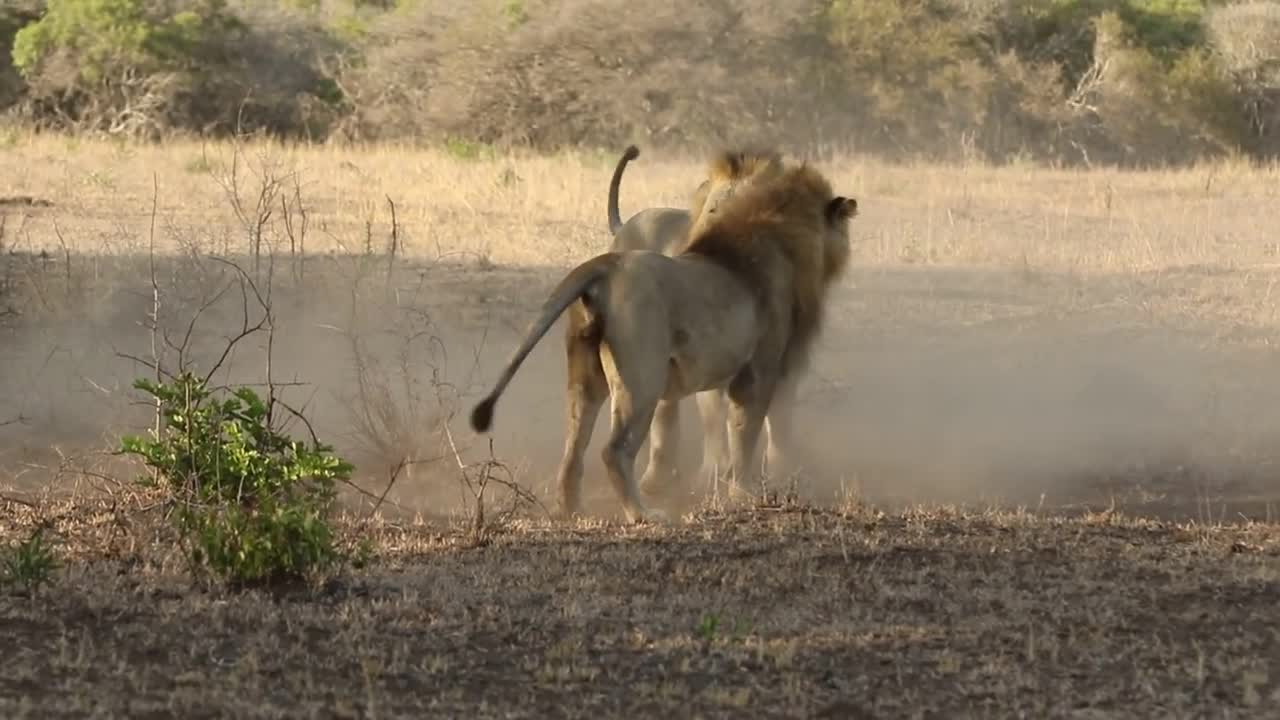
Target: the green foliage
pixel 351 28
pixel 467 150
pixel 1199 91
pixel 10 80
pixel 107 35
pixel 707 626
pixel 1166 28
pixel 515 13
pixel 1063 32
pixel 31 563
pixel 1167 111
pixel 712 626
pixel 251 503
pixel 924 75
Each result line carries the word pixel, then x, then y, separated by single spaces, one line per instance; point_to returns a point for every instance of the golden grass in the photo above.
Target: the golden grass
pixel 533 210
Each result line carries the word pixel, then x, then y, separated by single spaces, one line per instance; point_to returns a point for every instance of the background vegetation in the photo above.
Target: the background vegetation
pixel 1133 82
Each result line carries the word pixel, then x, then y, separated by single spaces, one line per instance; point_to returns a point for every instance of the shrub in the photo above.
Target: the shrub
pixel 1026 116
pixel 1164 113
pixel 117 65
pixel 1200 98
pixel 13 16
pixel 1246 38
pixel 252 504
pixel 927 82
pixel 146 67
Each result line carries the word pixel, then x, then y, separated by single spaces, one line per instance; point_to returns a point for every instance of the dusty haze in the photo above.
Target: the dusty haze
pixel 1011 335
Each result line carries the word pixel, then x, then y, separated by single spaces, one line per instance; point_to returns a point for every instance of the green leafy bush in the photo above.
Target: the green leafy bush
pixel 1165 111
pixel 145 68
pixel 106 36
pixel 121 66
pixel 13 17
pixel 251 503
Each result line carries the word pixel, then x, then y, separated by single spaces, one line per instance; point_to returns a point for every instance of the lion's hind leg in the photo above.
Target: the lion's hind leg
pixel 635 388
pixel 584 396
pixel 664 446
pixel 583 401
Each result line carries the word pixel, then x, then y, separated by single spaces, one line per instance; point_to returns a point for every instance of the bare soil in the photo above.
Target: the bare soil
pixel 770 612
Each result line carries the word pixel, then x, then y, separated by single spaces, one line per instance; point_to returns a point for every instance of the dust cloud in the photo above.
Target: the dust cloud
pixel 981 387
pixel 928 387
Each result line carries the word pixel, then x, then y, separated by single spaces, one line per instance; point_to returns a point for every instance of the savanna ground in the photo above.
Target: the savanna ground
pixel 1040 433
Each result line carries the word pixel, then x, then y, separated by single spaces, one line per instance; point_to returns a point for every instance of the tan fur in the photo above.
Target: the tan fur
pixel 814 265
pixel 728 172
pixel 664 230
pixel 726 314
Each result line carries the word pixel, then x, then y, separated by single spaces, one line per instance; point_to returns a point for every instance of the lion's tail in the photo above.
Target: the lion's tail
pixel 615 218
pixel 581 282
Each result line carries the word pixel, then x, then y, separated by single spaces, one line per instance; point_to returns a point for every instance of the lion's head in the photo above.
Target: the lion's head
pixel 789 218
pixel 728 171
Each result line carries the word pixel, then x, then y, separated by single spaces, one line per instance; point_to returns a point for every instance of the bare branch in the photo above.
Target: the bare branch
pixel 395 241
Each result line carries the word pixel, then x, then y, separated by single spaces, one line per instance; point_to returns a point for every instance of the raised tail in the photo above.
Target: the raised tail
pixel 581 282
pixel 615 218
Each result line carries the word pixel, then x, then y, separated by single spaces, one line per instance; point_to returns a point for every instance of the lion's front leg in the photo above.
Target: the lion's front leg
pixel 749 396
pixel 781 459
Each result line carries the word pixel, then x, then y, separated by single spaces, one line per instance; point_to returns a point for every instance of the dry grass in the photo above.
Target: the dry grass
pixel 797 612
pixel 532 210
pixel 1063 340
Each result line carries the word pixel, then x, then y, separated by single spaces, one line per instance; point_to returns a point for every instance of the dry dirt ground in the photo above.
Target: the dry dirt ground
pixel 765 612
pixel 1041 444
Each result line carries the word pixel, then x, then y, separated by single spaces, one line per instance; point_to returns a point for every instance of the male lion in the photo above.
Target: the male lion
pixel 664 230
pixel 730 312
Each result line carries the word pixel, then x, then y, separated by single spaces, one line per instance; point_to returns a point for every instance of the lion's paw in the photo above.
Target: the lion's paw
pixel 649 515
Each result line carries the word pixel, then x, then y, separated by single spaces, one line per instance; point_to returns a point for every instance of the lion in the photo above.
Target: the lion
pixel 657 229
pixel 664 229
pixel 731 311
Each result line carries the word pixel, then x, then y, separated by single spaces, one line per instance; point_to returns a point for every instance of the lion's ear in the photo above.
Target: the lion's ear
pixel 841 208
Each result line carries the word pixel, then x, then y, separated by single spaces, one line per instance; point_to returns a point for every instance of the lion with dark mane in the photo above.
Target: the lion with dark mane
pixel 733 311
pixel 665 230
